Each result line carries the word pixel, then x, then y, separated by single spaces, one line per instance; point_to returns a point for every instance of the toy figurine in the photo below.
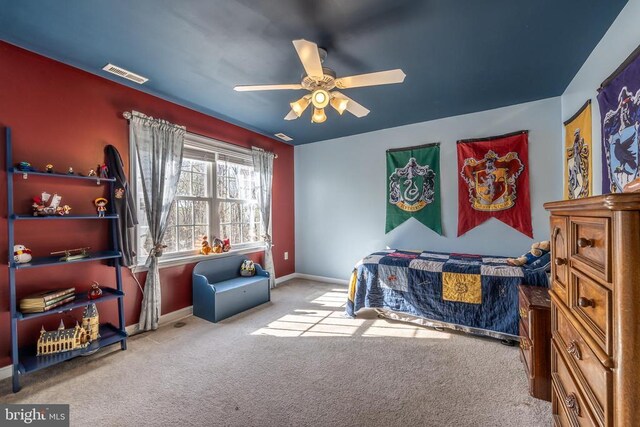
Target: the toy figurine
pixel 103 171
pixel 206 248
pixel 226 245
pixel 25 167
pixel 21 254
pixel 101 206
pixel 46 204
pixel 91 172
pixel 49 168
pixel 95 292
pixel 70 171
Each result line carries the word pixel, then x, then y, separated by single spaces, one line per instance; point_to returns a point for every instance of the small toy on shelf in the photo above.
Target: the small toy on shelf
pixel 91 172
pixel 226 245
pixel 25 167
pixel 217 245
pixel 73 254
pixel 95 292
pixel 70 171
pixel 46 205
pixel 101 206
pixel 206 248
pixel 75 338
pixel 49 168
pixel 537 250
pixel 103 171
pixel 21 254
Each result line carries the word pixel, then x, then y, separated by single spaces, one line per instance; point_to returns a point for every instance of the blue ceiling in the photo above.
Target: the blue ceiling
pixel 459 56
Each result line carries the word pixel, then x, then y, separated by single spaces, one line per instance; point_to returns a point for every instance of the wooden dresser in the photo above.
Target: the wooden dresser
pixel 595 310
pixel 535 338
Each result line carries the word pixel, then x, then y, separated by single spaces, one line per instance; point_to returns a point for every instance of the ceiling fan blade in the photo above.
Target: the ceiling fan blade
pixel 291 116
pixel 353 107
pixel 371 79
pixel 247 88
pixel 310 58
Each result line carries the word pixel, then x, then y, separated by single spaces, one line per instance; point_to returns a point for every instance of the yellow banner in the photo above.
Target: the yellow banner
pixel 578 176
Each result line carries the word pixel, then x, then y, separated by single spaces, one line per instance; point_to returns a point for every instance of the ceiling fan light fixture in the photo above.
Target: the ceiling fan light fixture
pixel 300 105
pixel 339 104
pixel 320 98
pixel 318 115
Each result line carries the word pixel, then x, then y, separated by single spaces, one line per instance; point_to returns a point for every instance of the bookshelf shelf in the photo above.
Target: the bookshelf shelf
pixel 24 360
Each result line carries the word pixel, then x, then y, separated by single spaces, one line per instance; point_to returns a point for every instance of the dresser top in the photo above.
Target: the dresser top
pixel 537 296
pixel 614 202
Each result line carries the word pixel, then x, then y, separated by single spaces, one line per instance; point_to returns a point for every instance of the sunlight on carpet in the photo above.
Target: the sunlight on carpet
pixel 334 323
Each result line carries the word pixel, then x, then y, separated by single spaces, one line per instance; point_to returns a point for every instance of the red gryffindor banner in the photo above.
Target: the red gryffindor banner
pixel 494 182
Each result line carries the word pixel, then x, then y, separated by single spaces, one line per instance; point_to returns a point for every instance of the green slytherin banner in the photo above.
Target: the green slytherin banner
pixel 413 186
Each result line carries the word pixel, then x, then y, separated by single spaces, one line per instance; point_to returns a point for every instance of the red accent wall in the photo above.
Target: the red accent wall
pixel 65 116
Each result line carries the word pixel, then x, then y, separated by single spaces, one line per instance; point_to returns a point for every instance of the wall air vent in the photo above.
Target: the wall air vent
pixel 284 137
pixel 121 72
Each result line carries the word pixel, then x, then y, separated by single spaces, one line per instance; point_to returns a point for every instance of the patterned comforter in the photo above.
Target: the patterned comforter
pixel 473 293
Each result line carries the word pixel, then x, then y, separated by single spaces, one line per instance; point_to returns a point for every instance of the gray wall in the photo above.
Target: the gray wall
pixel 621 39
pixel 340 189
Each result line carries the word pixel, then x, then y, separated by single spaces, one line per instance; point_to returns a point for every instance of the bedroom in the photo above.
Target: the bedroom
pixel 287 362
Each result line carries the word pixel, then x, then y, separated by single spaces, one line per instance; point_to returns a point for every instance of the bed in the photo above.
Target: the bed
pixel 471 293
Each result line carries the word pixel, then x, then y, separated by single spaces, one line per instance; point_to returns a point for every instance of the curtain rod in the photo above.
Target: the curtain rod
pixel 130 114
pixel 275 156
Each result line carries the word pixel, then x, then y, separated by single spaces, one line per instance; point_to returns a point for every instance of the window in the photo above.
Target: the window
pixel 216 197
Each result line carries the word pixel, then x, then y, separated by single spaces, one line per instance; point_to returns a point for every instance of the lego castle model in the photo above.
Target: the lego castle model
pixel 75 338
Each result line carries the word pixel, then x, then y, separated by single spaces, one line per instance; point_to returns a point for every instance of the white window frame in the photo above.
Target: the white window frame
pixel 199 148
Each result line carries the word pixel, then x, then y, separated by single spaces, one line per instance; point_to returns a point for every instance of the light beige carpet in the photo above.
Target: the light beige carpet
pixel 293 362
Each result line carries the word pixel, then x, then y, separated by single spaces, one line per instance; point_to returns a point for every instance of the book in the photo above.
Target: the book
pixel 37 303
pixel 48 307
pixel 42 298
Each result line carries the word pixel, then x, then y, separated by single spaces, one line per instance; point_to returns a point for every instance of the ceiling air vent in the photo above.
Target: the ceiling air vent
pixel 121 72
pixel 284 137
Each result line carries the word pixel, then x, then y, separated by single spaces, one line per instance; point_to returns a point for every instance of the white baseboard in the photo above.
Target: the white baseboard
pixel 286 278
pixel 321 278
pixel 6 372
pixel 164 319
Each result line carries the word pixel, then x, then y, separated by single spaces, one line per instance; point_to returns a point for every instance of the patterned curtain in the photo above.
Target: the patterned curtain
pixel 263 165
pixel 159 145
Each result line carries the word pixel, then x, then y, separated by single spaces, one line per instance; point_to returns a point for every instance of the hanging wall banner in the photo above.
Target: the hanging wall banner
pixel 619 100
pixel 413 186
pixel 577 154
pixel 494 182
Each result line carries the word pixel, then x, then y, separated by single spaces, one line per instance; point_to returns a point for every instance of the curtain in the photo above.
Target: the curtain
pixel 159 145
pixel 263 165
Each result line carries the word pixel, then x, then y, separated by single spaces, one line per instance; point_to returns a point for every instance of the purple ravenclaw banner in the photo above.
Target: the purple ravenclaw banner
pixel 619 100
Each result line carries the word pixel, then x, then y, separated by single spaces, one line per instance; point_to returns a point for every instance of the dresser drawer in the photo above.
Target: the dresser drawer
pixel 594 378
pixel 559 256
pixel 590 249
pixel 570 399
pixel 560 416
pixel 526 349
pixel 591 304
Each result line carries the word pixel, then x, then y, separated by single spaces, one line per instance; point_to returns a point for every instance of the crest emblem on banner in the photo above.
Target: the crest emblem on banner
pixel 492 180
pixel 621 140
pixel 412 187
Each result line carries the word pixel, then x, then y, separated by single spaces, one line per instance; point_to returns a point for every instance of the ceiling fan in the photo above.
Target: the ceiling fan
pixel 321 82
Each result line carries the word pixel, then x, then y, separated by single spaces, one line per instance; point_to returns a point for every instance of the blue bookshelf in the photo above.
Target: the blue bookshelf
pixel 24 360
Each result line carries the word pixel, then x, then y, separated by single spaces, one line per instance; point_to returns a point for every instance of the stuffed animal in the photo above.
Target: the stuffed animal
pixel 206 248
pixel 247 268
pixel 537 250
pixel 226 245
pixel 217 245
pixel 21 254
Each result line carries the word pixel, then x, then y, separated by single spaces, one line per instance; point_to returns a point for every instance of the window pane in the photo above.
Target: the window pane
pixel 201 212
pixel 200 232
pixel 198 185
pixel 185 212
pixel 224 212
pixel 236 212
pixel 184 183
pixel 185 239
pixel 246 233
pixel 170 240
pixel 171 222
pixel 200 167
pixel 231 232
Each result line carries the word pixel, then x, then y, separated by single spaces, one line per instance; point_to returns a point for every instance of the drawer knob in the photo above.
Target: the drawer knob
pixel 571 402
pixel 583 242
pixel 524 344
pixel 586 302
pixel 561 261
pixel 574 350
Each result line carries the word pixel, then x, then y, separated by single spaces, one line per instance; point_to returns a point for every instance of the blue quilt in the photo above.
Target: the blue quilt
pixel 474 293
